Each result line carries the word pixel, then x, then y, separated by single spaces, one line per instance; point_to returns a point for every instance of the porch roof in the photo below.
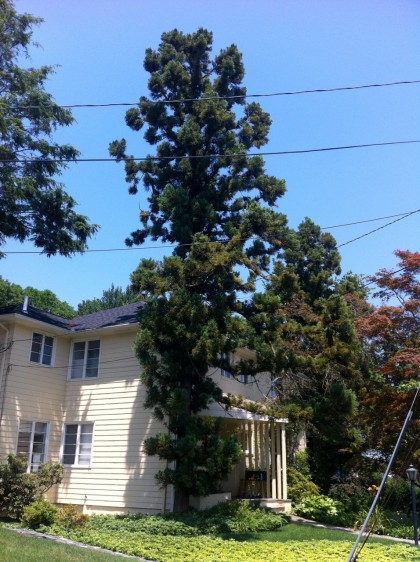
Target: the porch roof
pixel 216 410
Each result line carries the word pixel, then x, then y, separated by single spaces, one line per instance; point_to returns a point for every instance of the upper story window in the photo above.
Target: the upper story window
pixel 85 360
pixel 42 349
pixel 243 379
pixel 226 374
pixel 32 443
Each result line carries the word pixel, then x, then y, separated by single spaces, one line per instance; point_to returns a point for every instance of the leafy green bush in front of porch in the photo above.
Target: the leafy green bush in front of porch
pixel 320 508
pixel 299 486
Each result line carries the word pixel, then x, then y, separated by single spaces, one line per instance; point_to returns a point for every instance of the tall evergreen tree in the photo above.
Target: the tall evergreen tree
pixel 33 204
pixel 302 330
pixel 212 201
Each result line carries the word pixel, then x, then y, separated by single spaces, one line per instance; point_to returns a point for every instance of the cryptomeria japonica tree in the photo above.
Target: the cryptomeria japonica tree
pixel 214 203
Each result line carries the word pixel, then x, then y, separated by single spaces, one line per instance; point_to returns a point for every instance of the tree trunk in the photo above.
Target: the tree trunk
pixel 180 501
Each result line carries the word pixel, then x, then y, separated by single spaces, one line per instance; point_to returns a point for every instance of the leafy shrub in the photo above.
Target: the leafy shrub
pixel 397 493
pixel 353 493
pixel 301 463
pixel 19 488
pixel 319 508
pixel 299 486
pixel 70 517
pixel 38 514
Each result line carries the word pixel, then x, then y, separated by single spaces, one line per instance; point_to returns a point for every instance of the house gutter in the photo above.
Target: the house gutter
pixel 3 371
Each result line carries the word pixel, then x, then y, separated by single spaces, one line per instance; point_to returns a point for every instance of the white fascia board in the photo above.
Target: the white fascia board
pixel 215 410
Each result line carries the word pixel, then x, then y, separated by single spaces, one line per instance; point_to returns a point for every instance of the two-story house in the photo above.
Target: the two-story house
pixel 70 392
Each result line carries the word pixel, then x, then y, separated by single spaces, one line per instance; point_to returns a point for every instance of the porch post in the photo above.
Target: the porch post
pixel 249 445
pixel 256 447
pixel 279 457
pixel 273 462
pixel 283 461
pixel 267 456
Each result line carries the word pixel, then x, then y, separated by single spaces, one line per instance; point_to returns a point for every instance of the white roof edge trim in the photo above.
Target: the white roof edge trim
pixel 217 411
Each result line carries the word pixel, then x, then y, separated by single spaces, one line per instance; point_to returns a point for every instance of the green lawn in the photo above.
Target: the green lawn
pixel 296 532
pixel 15 547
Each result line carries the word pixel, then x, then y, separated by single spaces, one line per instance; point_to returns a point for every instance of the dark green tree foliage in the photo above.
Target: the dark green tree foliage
pixel 12 294
pixel 111 298
pixel 190 194
pixel 203 191
pixel 33 205
pixel 302 329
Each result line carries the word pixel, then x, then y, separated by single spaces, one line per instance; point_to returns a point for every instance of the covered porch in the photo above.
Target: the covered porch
pixel 261 475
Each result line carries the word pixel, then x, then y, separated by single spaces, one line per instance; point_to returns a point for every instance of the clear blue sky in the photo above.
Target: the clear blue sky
pixel 287 45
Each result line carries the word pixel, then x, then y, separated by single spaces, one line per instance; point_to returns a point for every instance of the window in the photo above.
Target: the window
pixel 226 361
pixel 243 379
pixel 85 360
pixel 32 443
pixel 42 349
pixel 77 445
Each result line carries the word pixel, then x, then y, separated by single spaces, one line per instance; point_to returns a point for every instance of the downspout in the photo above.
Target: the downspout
pixel 3 371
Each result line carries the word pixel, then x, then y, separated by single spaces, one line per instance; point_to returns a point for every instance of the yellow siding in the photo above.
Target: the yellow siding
pixel 121 476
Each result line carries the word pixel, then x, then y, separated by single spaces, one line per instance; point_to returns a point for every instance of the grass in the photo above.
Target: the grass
pixel 15 547
pixel 296 532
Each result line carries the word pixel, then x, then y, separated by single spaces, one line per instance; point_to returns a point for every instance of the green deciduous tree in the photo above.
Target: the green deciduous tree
pixel 111 298
pixel 213 202
pixel 12 294
pixel 33 204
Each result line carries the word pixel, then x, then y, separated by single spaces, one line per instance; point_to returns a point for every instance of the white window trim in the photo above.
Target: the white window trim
pixel 40 363
pixel 84 378
pixel 63 437
pixel 31 442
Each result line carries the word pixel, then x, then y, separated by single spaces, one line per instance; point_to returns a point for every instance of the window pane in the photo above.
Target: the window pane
pixel 38 445
pixel 92 363
pixel 78 360
pixel 36 348
pixel 85 443
pixel 70 444
pixel 48 349
pixel 24 439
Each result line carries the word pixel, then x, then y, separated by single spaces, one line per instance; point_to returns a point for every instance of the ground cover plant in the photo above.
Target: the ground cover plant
pixel 229 532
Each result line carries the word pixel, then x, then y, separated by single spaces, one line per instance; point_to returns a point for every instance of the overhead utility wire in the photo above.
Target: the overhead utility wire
pixel 361 222
pixel 376 229
pixel 162 246
pixel 211 98
pixel 202 156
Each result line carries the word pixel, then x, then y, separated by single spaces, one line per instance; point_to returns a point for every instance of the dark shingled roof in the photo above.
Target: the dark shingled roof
pixel 126 314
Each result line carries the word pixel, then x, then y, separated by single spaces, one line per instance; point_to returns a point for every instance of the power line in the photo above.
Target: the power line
pixel 376 229
pixel 212 98
pixel 164 246
pixel 202 156
pixel 361 222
